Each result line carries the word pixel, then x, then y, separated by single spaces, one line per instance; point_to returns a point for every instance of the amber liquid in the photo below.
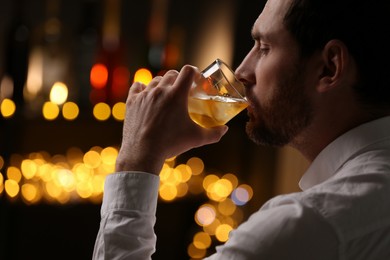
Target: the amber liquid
pixel 213 111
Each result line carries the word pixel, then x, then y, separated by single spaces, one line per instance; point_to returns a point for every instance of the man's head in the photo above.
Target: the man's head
pixel 310 60
pixel 362 26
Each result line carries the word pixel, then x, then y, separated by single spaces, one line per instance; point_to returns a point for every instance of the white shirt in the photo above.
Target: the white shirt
pixel 342 213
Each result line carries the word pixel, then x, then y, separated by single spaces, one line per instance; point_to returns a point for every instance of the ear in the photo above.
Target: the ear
pixel 335 57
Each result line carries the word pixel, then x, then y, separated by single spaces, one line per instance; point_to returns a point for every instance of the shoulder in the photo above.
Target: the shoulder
pixel 286 228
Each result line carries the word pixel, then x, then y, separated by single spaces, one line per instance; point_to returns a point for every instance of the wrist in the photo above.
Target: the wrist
pixel 149 165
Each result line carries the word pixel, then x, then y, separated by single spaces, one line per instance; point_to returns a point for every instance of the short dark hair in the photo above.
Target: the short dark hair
pixel 363 27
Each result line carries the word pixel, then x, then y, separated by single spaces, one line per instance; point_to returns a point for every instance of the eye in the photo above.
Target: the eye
pixel 263 49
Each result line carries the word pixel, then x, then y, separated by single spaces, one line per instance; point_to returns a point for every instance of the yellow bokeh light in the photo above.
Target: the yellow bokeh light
pixel 196 165
pixel 219 190
pixel 195 252
pixel 210 229
pixel 168 191
pixel 84 189
pixel 59 93
pixel 92 159
pixel 29 192
pixel 227 207
pixel 70 111
pixel 65 179
pixel 208 180
pixel 184 171
pixel 14 173
pixel 101 111
pixel 143 75
pixel 118 111
pixel 232 178
pixel 53 190
pixel 202 240
pixel 222 232
pixel 7 108
pixel 11 188
pixel 50 110
pixel 1 183
pixel 109 155
pixel 182 190
pixel 29 168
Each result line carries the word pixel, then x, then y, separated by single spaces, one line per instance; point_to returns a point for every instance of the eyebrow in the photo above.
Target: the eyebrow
pixel 257 36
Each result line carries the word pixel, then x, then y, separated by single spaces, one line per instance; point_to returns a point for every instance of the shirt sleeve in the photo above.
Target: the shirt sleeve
pixel 127 217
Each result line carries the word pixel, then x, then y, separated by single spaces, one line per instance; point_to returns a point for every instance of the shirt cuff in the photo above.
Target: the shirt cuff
pixel 131 191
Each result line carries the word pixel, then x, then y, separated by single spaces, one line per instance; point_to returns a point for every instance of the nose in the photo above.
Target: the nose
pixel 245 72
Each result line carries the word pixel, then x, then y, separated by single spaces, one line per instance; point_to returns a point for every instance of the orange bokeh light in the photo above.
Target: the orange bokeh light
pixel 99 76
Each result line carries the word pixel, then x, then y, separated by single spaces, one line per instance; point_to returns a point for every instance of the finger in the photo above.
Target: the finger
pixel 153 83
pixel 214 135
pixel 169 78
pixel 136 88
pixel 187 76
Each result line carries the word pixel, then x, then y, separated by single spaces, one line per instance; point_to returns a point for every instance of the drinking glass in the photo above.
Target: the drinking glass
pixel 217 97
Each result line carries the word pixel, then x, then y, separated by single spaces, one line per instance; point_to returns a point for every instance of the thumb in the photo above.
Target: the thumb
pixel 214 135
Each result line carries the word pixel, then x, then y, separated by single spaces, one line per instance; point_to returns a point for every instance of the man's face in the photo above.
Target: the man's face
pixel 276 81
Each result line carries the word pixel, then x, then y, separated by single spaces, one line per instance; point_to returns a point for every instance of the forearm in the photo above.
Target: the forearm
pixel 128 217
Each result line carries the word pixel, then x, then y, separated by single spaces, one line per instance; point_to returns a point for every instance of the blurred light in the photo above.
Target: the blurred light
pixel 58 93
pixel 184 171
pixel 168 191
pixel 84 189
pixel 222 232
pixel 195 252
pixel 7 108
pixel 111 25
pixel 97 95
pixel 1 162
pixel 101 111
pixel 232 179
pixel 196 165
pixel 99 76
pixel 11 188
pixel 35 73
pixel 227 207
pixel 242 194
pixel 205 215
pixel 118 111
pixel 92 159
pixel 1 183
pixel 202 240
pixel 109 155
pixel 14 173
pixel 209 180
pixel 29 169
pixel 182 190
pixel 143 75
pixel 6 87
pixel 29 192
pixel 50 110
pixel 219 190
pixel 120 82
pixel 211 229
pixel 70 111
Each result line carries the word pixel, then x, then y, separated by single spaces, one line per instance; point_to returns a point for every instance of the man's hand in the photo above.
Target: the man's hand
pixel 157 125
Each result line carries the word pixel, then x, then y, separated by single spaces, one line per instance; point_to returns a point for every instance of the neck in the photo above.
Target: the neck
pixel 311 141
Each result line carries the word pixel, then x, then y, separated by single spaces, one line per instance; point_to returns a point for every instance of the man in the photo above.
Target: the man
pixel 316 79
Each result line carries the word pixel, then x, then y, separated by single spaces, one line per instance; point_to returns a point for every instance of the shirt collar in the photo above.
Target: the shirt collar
pixel 340 150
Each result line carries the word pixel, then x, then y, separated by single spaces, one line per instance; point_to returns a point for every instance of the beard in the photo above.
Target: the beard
pixel 279 120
